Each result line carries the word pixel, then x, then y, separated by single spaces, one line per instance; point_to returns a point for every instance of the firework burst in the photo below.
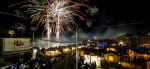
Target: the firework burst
pixel 55 15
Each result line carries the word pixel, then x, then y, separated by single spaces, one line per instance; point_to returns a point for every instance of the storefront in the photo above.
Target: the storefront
pixel 93 58
pixel 90 57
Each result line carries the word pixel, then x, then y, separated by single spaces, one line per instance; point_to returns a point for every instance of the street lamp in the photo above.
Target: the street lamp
pixel 76 48
pixel 11 32
pixel 33 42
pixel 33 30
pixel 96 41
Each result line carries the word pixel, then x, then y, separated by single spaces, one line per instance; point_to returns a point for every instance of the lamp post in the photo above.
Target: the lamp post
pixel 96 41
pixel 11 32
pixel 33 42
pixel 76 48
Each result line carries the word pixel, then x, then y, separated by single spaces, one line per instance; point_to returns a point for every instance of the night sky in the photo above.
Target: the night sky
pixel 113 17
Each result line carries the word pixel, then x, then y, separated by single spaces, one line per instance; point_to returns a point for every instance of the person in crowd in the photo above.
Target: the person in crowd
pixel 49 64
pixel 93 65
pixel 13 66
pixel 22 66
pixel 86 66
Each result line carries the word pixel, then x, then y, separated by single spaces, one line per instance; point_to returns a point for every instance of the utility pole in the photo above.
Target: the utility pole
pixel 76 48
pixel 33 42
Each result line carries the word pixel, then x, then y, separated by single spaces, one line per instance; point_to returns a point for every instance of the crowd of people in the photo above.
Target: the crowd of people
pixel 36 63
pixel 89 66
pixel 42 62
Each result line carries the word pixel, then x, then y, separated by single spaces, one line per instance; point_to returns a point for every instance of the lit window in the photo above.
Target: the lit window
pixel 112 49
pixel 107 49
pixel 110 58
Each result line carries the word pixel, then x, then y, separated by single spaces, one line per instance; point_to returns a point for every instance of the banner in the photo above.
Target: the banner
pixel 16 44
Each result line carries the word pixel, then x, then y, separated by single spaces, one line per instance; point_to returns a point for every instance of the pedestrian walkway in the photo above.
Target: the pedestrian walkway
pixel 67 63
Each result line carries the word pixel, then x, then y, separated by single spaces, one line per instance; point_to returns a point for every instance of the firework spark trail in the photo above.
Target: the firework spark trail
pixel 63 14
pixel 55 15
